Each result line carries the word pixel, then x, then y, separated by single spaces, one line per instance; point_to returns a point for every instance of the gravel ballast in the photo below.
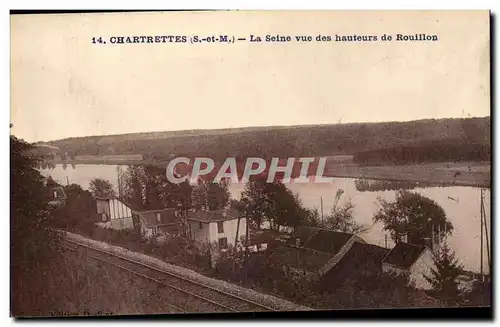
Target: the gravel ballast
pixel 264 299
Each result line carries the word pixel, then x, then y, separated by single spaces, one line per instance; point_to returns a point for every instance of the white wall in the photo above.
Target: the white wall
pixel 422 267
pixel 114 208
pixel 118 209
pixel 230 228
pixel 210 233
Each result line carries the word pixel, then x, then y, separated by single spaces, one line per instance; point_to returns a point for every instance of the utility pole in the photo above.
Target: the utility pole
pixel 246 248
pixel 483 210
pixel 322 219
pixel 119 181
pixel 481 213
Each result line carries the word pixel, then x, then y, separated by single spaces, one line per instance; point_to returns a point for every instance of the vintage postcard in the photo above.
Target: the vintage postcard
pixel 249 161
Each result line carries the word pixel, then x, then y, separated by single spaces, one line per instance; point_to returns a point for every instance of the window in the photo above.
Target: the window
pixel 201 225
pixel 220 227
pixel 222 243
pixel 154 231
pixel 158 217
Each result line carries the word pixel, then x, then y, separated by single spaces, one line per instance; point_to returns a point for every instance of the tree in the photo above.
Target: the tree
pixel 413 215
pixel 218 195
pixel 80 209
pixel 479 295
pixel 73 190
pixel 342 219
pixel 32 241
pixel 101 188
pixel 147 188
pixel 134 180
pixel 208 195
pixel 273 202
pixel 443 277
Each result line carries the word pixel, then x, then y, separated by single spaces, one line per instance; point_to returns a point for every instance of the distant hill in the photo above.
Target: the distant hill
pixel 284 141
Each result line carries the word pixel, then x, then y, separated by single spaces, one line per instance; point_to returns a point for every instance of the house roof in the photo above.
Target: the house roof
pixel 109 198
pixel 369 251
pixel 299 258
pixel 213 216
pixel 362 258
pixel 320 239
pixel 363 254
pixel 150 217
pixel 404 255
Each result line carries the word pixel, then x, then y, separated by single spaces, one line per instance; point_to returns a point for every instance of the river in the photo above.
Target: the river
pixel 460 203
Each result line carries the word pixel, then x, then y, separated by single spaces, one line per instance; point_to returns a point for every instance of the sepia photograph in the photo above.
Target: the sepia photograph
pixel 246 162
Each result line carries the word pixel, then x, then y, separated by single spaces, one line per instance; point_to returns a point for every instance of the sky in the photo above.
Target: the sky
pixel 63 85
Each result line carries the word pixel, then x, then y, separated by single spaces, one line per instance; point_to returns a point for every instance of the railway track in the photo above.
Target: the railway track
pixel 184 295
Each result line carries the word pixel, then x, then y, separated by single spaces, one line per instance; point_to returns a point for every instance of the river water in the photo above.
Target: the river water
pixel 461 205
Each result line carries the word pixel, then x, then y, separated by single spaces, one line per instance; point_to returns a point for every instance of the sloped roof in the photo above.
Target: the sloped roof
pixel 299 258
pixel 404 255
pixel 362 258
pixel 167 217
pixel 320 239
pixel 365 250
pixel 213 216
pixel 362 254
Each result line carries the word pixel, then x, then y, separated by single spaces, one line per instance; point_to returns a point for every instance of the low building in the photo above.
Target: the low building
pixel 363 261
pixel 57 196
pixel 218 227
pixel 153 223
pixel 312 252
pixel 412 261
pixel 113 213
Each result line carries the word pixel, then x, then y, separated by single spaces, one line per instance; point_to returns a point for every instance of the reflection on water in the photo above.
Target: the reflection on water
pixel 369 185
pixel 461 204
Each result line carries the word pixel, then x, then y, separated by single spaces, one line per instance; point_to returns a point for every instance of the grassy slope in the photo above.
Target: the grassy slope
pixel 77 285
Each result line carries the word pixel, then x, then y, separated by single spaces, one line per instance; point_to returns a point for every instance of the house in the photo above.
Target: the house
pixel 412 261
pixel 57 196
pixel 216 227
pixel 157 222
pixel 363 261
pixel 113 213
pixel 312 252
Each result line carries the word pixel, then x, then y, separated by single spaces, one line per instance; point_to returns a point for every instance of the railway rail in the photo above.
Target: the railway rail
pixel 184 295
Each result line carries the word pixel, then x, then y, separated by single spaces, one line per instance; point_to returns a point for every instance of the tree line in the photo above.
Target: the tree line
pixel 425 152
pixel 296 141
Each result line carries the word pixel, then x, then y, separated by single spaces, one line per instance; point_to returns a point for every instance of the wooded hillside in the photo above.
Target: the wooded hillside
pixel 295 141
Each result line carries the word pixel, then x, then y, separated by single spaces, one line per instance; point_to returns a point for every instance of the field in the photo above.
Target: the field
pixel 463 174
